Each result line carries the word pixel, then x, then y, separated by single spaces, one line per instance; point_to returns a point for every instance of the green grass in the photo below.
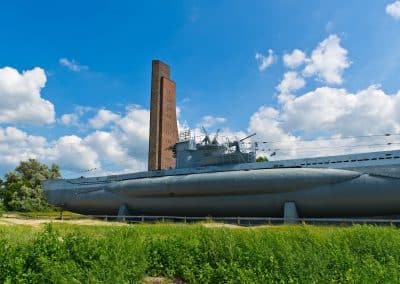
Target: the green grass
pixel 63 253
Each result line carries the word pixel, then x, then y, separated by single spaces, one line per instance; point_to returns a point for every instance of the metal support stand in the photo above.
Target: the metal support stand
pixel 122 212
pixel 290 214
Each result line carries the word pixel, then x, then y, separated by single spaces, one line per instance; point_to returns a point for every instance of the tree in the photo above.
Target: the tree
pixel 1 195
pixel 262 159
pixel 23 190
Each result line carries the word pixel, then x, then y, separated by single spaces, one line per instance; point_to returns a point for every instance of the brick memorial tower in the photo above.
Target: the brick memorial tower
pixel 163 123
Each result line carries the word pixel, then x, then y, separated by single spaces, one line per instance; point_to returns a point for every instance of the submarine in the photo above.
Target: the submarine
pixel 208 178
pixel 222 180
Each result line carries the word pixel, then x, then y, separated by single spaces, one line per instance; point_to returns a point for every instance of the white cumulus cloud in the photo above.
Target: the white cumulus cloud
pixel 121 149
pixel 103 118
pixel 331 112
pixel 210 121
pixel 294 59
pixel 17 145
pixel 264 61
pixel 328 61
pixel 338 111
pixel 20 98
pixel 75 118
pixel 70 119
pixel 71 152
pixel 325 114
pixel 265 122
pixel 291 82
pixel 393 9
pixel 106 145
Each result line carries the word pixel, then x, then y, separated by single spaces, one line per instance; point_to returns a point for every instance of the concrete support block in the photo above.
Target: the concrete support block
pixel 290 214
pixel 122 212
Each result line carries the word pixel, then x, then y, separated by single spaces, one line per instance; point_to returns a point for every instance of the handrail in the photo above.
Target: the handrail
pixel 238 220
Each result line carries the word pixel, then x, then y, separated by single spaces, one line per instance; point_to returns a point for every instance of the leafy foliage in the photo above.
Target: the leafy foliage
pixel 22 190
pixel 2 207
pixel 297 254
pixel 262 159
pixel 117 257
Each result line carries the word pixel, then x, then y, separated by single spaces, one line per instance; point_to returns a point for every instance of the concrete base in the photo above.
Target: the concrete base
pixel 122 212
pixel 290 214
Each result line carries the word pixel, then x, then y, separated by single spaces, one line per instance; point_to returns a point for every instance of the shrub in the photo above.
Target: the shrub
pixel 22 190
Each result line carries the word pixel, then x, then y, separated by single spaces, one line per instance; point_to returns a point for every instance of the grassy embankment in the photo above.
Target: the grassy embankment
pixel 70 253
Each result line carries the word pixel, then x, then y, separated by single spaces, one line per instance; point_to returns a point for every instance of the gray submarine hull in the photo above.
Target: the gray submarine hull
pixel 257 192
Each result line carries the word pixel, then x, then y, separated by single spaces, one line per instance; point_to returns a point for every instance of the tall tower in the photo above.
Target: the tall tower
pixel 163 123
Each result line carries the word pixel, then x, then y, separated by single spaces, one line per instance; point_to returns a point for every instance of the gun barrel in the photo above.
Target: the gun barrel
pixel 247 137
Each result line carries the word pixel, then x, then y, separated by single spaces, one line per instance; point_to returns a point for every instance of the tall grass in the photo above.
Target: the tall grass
pixel 298 254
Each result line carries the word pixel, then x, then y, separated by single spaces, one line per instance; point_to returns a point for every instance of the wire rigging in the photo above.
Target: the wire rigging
pixel 258 145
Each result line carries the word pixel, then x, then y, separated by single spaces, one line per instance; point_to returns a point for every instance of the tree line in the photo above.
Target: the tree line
pixel 21 190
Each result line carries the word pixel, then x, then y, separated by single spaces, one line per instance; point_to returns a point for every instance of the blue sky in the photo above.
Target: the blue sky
pixel 96 55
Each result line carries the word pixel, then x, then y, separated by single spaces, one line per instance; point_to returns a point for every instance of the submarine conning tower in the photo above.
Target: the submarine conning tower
pixel 190 154
pixel 163 122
